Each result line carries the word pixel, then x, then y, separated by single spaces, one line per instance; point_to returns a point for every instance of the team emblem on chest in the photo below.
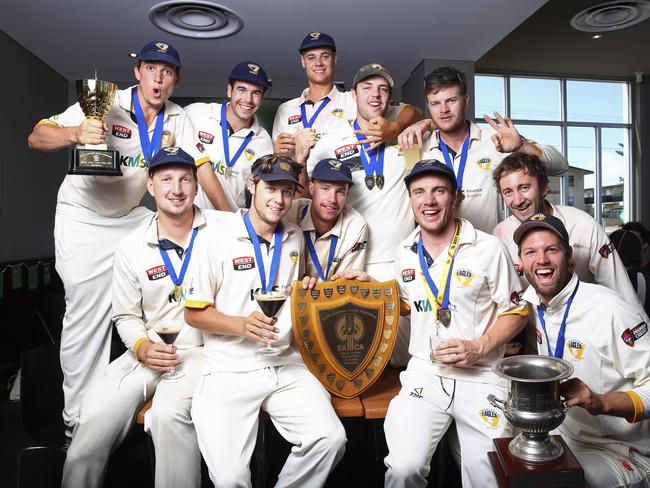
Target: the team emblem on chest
pixel 484 163
pixel 464 277
pixel 576 348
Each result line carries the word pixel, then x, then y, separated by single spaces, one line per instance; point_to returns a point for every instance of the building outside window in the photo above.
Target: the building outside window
pixel 587 120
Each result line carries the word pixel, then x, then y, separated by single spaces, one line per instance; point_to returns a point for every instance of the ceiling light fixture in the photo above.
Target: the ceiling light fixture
pixel 198 19
pixel 611 16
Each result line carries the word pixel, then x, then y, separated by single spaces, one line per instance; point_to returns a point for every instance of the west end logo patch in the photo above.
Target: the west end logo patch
pixel 346 151
pixel 206 137
pixel 408 275
pixel 243 263
pixel 294 119
pixel 157 272
pixel 630 336
pixel 121 132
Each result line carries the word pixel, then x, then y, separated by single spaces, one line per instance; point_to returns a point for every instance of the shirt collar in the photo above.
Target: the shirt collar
pixel 332 95
pixel 151 233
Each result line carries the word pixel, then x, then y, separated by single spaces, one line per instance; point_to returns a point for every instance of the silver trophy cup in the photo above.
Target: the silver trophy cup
pixel 533 405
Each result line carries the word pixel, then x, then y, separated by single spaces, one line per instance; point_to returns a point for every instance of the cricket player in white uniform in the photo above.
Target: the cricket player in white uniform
pixel 607 342
pixel 473 152
pixel 335 234
pixel 322 109
pixel 250 361
pixel 150 264
pixel 232 137
pixel 462 293
pixel 378 193
pixel 94 213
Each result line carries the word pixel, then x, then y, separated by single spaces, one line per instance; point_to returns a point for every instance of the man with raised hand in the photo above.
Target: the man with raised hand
pixel 607 343
pixel 472 152
pixel 94 213
pixel 522 182
pixel 232 137
pixel 322 109
pixel 336 235
pixel 149 271
pixel 250 362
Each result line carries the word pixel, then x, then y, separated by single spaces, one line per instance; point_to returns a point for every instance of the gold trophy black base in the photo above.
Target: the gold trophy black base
pixel 512 472
pixel 96 162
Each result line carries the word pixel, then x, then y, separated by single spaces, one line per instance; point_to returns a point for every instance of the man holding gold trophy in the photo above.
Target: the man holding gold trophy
pixel 94 212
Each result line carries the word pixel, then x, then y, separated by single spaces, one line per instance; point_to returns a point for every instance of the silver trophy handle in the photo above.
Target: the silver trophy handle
pixel 495 402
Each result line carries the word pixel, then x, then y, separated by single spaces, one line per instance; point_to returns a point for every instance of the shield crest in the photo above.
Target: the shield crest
pixel 347 340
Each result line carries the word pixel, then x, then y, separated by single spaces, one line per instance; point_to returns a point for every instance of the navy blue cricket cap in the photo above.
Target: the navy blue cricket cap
pixel 431 167
pixel 280 171
pixel 541 221
pixel 316 39
pixel 250 72
pixel 170 155
pixel 160 51
pixel 332 169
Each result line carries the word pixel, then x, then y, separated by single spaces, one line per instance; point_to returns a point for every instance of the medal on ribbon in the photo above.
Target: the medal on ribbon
pixel 559 345
pixel 177 292
pixel 373 162
pixel 463 158
pixel 226 144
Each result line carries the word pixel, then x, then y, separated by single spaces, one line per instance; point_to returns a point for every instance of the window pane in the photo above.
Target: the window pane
pixel 597 101
pixel 581 143
pixel 615 156
pixel 489 95
pixel 535 99
pixel 552 136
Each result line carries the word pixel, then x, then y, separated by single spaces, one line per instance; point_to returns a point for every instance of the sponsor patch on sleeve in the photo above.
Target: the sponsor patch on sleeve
pixel 206 137
pixel 606 249
pixel 515 297
pixel 630 336
pixel 243 263
pixel 408 275
pixel 358 246
pixel 200 147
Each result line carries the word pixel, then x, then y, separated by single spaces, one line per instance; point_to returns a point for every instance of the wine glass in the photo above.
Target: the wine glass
pixel 270 302
pixel 168 332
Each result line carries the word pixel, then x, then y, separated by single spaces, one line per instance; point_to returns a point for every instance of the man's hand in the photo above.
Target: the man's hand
pixel 305 140
pixel 578 394
pixel 309 282
pixel 159 357
pixel 507 139
pixel 352 274
pixel 379 131
pixel 285 144
pixel 414 134
pixel 458 352
pixel 258 327
pixel 91 131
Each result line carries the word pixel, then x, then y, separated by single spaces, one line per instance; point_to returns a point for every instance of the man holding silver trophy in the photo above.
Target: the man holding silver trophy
pixel 96 211
pixel 606 341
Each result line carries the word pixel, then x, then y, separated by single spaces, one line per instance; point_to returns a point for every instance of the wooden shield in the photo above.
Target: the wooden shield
pixel 345 331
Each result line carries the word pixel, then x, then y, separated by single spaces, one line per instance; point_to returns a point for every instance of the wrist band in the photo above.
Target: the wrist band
pixel 638 407
pixel 137 345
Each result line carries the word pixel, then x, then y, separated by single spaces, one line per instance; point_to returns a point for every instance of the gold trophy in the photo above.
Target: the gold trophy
pixel 95 98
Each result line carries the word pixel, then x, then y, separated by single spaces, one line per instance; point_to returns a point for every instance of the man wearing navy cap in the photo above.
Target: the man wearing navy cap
pixel 147 293
pixel 232 137
pixel 606 341
pixel 322 108
pixel 336 235
pixel 94 213
pixel 250 362
pixel 462 293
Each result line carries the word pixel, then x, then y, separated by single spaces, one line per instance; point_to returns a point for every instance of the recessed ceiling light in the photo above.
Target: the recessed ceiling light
pixel 611 16
pixel 596 36
pixel 133 55
pixel 198 19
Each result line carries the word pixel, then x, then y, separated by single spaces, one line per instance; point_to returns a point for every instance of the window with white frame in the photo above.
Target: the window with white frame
pixel 587 120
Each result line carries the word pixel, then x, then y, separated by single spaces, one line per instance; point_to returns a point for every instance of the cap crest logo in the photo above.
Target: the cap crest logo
pixel 538 217
pixel 335 164
pixel 254 69
pixel 171 150
pixel 162 47
pixel 285 166
pixel 314 36
pixel 377 67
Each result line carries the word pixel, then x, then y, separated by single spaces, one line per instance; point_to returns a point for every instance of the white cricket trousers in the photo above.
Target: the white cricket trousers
pixel 611 466
pixel 421 413
pixel 111 406
pixel 85 244
pixel 386 272
pixel 226 411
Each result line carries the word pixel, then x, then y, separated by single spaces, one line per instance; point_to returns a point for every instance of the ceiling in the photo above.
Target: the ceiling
pixel 76 36
pixel 546 43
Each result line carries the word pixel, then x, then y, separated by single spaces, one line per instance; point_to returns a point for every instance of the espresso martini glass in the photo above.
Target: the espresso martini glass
pixel 270 302
pixel 168 332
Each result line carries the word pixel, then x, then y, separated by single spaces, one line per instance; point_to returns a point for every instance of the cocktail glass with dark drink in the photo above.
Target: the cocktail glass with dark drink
pixel 270 302
pixel 168 332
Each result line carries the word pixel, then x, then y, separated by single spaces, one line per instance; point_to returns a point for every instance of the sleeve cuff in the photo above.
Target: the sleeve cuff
pixel 638 407
pixel 137 345
pixel 48 122
pixel 201 161
pixel 521 311
pixel 197 304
